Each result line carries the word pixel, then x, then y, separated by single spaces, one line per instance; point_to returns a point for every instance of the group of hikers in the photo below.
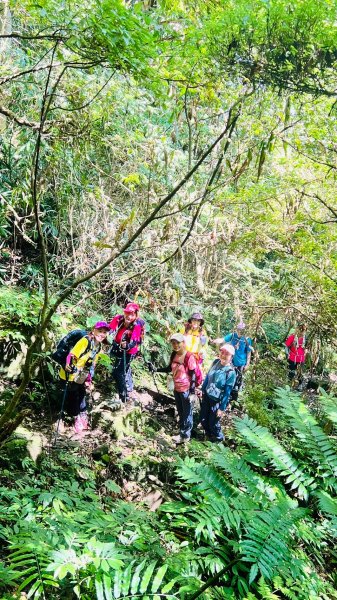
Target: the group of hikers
pixel 79 351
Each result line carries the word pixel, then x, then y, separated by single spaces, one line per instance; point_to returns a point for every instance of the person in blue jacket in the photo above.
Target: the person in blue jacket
pixel 243 350
pixel 216 391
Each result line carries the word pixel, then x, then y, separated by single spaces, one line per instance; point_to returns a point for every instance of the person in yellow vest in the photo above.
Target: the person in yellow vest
pixel 195 336
pixel 78 372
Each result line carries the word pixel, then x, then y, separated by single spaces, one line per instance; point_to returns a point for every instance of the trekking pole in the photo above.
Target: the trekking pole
pixel 124 375
pixel 147 362
pixel 62 409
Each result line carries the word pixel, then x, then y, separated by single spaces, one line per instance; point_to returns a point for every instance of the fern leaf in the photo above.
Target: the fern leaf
pixel 329 405
pixel 327 504
pixel 314 439
pixel 265 541
pixel 158 578
pixel 147 577
pixel 136 578
pixel 261 438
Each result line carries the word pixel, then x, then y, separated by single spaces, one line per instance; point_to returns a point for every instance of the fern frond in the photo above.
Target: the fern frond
pixel 205 477
pixel 329 406
pixel 284 463
pixel 315 441
pixel 327 504
pixel 242 474
pixel 141 579
pixel 265 541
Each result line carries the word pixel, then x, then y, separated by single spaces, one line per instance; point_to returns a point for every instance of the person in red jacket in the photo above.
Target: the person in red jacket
pixel 297 352
pixel 127 331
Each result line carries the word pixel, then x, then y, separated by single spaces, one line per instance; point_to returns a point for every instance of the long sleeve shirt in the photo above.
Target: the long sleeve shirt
pixel 219 383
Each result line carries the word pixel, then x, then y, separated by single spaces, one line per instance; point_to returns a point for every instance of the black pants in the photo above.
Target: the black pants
pixel 293 369
pixel 75 400
pixel 238 383
pixel 209 419
pixel 121 373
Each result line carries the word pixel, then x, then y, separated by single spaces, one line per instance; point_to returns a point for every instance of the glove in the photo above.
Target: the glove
pixel 151 367
pixel 192 390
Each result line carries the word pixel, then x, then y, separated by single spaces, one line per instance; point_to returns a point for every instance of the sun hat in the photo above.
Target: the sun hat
pixel 177 337
pixel 101 325
pixel 198 317
pixel 131 307
pixel 229 348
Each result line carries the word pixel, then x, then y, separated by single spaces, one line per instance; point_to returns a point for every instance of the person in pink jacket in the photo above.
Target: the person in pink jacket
pixel 127 331
pixel 297 352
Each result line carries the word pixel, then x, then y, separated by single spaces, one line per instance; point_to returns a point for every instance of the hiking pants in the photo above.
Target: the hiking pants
pixel 209 419
pixel 185 412
pixel 75 402
pixel 238 382
pixel 121 373
pixel 294 368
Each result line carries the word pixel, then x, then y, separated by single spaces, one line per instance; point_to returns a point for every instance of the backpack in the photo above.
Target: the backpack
pixel 198 373
pixel 66 344
pixel 213 391
pixel 246 341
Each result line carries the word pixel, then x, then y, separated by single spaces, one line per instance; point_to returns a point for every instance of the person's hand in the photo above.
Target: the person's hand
pixel 123 345
pixel 217 341
pixel 68 368
pixel 151 367
pixel 89 385
pixel 219 413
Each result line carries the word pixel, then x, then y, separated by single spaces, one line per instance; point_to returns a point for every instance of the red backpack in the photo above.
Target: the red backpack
pixel 198 373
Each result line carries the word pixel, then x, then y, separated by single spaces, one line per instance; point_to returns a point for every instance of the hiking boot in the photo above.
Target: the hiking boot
pixel 177 439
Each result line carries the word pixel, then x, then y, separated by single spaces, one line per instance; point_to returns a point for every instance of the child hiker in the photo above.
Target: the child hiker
pixel 216 391
pixel 183 368
pixel 78 373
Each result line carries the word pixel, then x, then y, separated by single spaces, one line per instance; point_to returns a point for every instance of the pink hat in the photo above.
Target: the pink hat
pixel 241 325
pixel 131 307
pixel 101 325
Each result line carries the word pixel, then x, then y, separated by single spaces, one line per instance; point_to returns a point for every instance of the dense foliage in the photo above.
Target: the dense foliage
pixel 182 155
pixel 264 512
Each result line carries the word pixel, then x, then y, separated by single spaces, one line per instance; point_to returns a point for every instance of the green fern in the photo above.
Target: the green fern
pixel 315 441
pixel 31 562
pixel 329 406
pixel 140 581
pixel 283 461
pixel 265 541
pixel 242 474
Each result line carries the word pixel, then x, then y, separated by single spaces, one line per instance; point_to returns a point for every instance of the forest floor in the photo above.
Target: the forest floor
pixel 129 444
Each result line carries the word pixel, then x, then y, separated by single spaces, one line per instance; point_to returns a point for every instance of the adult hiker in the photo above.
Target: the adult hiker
pixel 216 391
pixel 195 336
pixel 77 373
pixel 127 330
pixel 295 343
pixel 183 368
pixel 242 355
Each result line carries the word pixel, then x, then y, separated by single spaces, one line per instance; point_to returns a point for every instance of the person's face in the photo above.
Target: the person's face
pixel 225 355
pixel 177 346
pixel 129 317
pixel 239 332
pixel 195 323
pixel 100 334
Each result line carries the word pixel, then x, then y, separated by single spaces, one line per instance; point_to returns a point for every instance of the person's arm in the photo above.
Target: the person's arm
pixel 166 369
pixel 75 353
pixel 290 340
